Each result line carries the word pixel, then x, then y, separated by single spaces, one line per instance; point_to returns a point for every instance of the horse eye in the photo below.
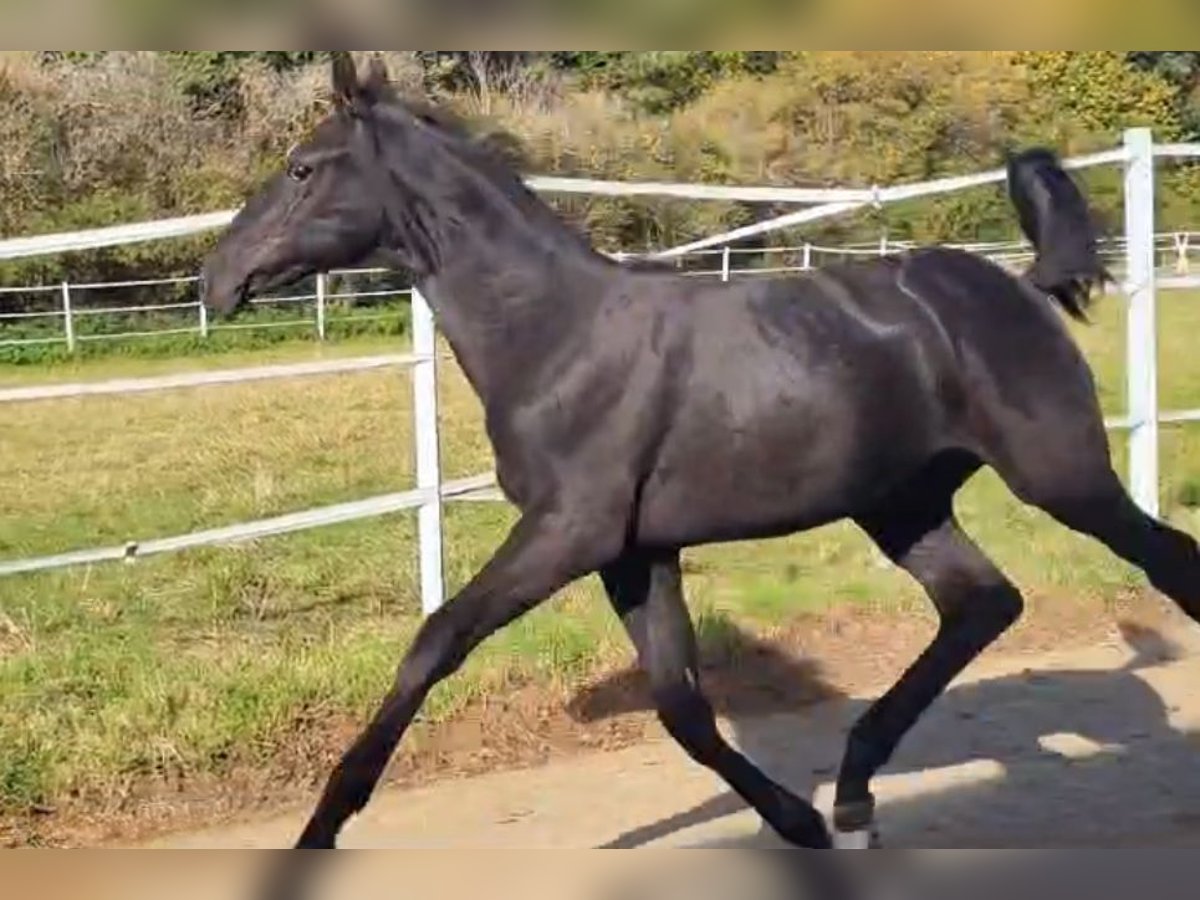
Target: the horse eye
pixel 299 172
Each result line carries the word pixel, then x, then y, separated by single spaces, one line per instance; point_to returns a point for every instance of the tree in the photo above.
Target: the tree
pixel 661 81
pixel 1182 68
pixel 1101 93
pixel 1179 66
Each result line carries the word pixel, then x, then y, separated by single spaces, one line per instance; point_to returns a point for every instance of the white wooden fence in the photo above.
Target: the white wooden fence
pixel 1142 418
pixel 63 311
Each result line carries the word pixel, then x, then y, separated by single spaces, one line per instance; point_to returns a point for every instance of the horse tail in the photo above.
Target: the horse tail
pixel 1056 219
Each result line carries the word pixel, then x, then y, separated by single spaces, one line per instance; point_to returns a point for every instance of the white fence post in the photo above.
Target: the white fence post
pixel 808 257
pixel 429 471
pixel 203 319
pixel 726 263
pixel 1141 349
pixel 68 319
pixel 321 289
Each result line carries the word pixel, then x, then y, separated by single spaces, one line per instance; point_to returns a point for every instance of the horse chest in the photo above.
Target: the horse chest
pixel 576 434
pixel 528 451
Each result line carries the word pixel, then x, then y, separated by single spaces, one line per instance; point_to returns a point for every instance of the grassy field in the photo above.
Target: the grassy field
pixel 213 659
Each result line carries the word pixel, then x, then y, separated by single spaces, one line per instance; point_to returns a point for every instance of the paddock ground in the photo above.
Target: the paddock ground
pixel 1085 747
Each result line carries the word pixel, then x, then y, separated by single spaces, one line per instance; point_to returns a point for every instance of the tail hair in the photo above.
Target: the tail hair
pixel 1056 219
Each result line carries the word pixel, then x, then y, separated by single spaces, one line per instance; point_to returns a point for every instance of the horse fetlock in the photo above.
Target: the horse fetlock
pixel 855 826
pixel 317 837
pixel 852 817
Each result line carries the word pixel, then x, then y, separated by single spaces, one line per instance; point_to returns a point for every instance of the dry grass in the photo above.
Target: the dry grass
pixel 114 123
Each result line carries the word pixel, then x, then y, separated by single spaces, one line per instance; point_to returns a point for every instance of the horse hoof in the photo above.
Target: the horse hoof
pixel 859 839
pixel 854 826
pixel 852 840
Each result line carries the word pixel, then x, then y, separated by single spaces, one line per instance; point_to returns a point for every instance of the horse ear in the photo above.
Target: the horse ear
pixel 377 78
pixel 345 79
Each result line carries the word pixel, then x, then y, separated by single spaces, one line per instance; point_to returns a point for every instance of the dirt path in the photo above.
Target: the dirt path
pixel 1083 748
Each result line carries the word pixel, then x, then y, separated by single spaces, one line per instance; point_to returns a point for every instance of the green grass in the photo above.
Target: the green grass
pixel 213 659
pixel 105 337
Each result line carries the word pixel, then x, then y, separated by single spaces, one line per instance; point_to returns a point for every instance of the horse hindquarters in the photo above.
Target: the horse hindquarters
pixel 1035 418
pixel 1029 402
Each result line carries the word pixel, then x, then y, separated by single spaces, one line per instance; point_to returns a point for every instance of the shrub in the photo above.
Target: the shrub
pixel 97 137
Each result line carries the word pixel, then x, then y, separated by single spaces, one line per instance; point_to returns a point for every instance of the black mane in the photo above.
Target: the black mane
pixel 494 154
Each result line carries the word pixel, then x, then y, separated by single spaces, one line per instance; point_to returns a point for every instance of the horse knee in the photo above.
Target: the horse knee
pixel 1001 606
pixel 439 650
pixel 970 593
pixel 984 613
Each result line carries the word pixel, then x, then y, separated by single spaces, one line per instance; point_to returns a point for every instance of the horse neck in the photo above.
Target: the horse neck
pixel 503 312
pixel 511 287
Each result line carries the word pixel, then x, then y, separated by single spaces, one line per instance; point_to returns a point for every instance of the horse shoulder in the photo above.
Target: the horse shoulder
pixel 598 409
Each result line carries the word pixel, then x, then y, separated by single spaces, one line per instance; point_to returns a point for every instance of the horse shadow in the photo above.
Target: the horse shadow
pixel 1047 759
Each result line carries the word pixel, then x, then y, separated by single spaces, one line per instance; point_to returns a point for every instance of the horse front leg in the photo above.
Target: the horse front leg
pixel 543 554
pixel 646 591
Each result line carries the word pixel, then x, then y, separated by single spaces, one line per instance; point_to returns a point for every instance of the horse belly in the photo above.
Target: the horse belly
pixel 784 479
pixel 785 430
pixel 694 516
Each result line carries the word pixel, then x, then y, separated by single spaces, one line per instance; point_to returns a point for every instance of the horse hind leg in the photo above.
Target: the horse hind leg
pixel 976 604
pixel 1062 465
pixel 1093 502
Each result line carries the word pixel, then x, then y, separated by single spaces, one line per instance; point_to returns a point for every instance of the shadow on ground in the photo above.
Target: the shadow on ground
pixel 1043 759
pixel 1064 758
pixel 757 875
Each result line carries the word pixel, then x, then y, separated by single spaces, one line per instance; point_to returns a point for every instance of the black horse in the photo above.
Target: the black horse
pixel 635 412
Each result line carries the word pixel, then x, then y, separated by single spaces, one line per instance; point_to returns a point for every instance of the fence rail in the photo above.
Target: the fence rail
pixel 67 314
pixel 1143 265
pixel 186 226
pixel 1174 253
pixel 204 379
pixel 467 489
pixel 842 202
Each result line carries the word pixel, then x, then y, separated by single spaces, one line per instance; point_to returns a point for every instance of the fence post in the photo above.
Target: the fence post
pixel 68 319
pixel 808 257
pixel 429 473
pixel 203 319
pixel 1141 348
pixel 321 289
pixel 726 262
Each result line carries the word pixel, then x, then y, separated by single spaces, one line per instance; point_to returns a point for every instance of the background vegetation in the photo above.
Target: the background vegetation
pixel 97 137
